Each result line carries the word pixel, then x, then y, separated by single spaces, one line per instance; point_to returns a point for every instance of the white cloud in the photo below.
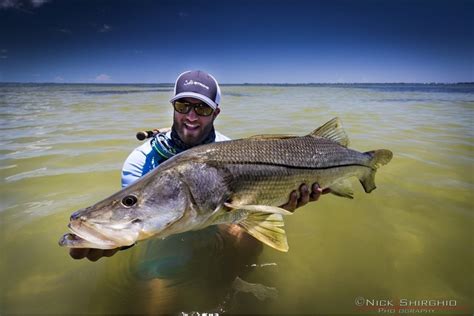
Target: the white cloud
pixel 105 28
pixel 38 3
pixel 65 31
pixel 102 78
pixel 59 78
pixel 6 4
pixel 21 4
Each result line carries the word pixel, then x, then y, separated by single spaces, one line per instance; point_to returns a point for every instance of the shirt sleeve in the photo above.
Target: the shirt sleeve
pixel 133 167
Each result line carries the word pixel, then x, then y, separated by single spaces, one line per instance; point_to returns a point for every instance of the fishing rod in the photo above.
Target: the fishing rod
pixel 146 134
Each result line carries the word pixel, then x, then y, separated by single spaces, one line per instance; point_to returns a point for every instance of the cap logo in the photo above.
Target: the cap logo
pixel 196 83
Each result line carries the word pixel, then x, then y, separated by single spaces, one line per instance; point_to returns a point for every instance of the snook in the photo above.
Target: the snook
pixel 240 181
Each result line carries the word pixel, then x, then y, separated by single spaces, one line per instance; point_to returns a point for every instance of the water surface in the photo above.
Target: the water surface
pixel 62 148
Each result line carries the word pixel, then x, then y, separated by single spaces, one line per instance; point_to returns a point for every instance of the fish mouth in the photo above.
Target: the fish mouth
pixel 92 235
pixel 71 240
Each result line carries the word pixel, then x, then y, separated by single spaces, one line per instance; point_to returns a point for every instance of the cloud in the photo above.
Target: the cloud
pixel 3 53
pixel 7 4
pixel 101 28
pixel 105 28
pixel 183 14
pixel 21 4
pixel 65 31
pixel 102 78
pixel 38 3
pixel 59 79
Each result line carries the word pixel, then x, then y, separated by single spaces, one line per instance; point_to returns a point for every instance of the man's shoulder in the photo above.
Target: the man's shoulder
pixel 139 162
pixel 220 137
pixel 144 148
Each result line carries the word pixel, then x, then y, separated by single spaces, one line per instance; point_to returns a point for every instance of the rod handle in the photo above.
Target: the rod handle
pixel 146 134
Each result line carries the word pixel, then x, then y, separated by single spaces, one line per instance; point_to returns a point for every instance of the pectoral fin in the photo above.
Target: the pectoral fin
pixel 259 208
pixel 267 229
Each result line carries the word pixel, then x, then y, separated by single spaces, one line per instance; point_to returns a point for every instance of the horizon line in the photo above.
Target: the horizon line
pixel 245 83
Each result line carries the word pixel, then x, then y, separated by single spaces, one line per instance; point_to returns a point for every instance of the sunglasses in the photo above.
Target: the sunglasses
pixel 201 109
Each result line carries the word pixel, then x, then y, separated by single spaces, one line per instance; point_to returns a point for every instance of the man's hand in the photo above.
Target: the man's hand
pixel 305 196
pixel 94 254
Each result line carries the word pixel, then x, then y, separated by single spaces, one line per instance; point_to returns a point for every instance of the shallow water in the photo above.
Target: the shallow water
pixel 62 147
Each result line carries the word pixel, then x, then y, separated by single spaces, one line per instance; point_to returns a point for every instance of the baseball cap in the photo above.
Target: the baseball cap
pixel 197 84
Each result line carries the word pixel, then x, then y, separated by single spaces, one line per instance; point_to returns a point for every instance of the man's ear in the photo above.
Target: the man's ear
pixel 216 112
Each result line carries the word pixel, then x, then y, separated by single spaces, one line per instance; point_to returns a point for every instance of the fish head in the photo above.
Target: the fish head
pixel 146 208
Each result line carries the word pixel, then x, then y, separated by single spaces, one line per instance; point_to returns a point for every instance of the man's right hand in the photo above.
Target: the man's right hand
pixel 305 196
pixel 94 254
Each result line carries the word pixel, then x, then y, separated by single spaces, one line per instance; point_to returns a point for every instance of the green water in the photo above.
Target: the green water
pixel 62 148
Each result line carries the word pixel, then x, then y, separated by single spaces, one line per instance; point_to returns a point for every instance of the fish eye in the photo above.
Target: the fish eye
pixel 129 200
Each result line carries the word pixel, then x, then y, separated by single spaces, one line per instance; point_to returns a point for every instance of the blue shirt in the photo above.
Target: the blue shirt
pixel 146 158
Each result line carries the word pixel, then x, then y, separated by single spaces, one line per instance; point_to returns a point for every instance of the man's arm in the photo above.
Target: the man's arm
pixel 133 167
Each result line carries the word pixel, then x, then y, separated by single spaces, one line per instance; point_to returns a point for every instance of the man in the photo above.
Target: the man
pixel 196 105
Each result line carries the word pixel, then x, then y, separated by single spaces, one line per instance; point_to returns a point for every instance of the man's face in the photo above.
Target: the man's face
pixel 191 127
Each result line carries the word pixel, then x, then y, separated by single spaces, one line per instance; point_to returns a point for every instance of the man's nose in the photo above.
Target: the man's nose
pixel 192 115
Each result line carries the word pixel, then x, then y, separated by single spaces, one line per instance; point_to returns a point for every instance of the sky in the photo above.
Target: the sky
pixel 238 41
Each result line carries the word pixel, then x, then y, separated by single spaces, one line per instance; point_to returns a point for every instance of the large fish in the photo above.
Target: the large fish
pixel 239 181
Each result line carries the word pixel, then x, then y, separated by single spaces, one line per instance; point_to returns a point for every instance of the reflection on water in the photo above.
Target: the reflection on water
pixel 62 148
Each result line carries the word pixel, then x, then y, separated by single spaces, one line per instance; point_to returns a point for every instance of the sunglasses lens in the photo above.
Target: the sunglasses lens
pixel 203 109
pixel 182 107
pixel 200 108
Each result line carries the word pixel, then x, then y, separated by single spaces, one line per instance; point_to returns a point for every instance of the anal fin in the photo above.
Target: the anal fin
pixel 342 188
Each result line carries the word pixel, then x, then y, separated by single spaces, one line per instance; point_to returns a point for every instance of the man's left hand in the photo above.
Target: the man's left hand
pixel 305 196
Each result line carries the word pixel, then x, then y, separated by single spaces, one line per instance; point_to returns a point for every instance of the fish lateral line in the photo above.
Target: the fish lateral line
pixel 290 166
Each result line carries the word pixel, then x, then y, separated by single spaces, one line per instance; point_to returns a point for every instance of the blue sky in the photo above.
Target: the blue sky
pixel 238 41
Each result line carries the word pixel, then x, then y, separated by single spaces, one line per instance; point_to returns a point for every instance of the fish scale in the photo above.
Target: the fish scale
pixel 303 152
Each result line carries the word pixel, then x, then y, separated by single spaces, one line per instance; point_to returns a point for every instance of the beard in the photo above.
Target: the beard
pixel 193 134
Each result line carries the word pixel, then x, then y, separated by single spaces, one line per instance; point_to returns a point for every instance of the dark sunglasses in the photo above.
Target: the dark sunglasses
pixel 201 109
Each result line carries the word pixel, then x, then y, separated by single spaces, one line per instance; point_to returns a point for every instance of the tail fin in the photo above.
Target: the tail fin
pixel 379 158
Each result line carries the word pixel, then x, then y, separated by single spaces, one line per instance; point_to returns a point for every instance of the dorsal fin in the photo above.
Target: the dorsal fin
pixel 332 130
pixel 271 136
